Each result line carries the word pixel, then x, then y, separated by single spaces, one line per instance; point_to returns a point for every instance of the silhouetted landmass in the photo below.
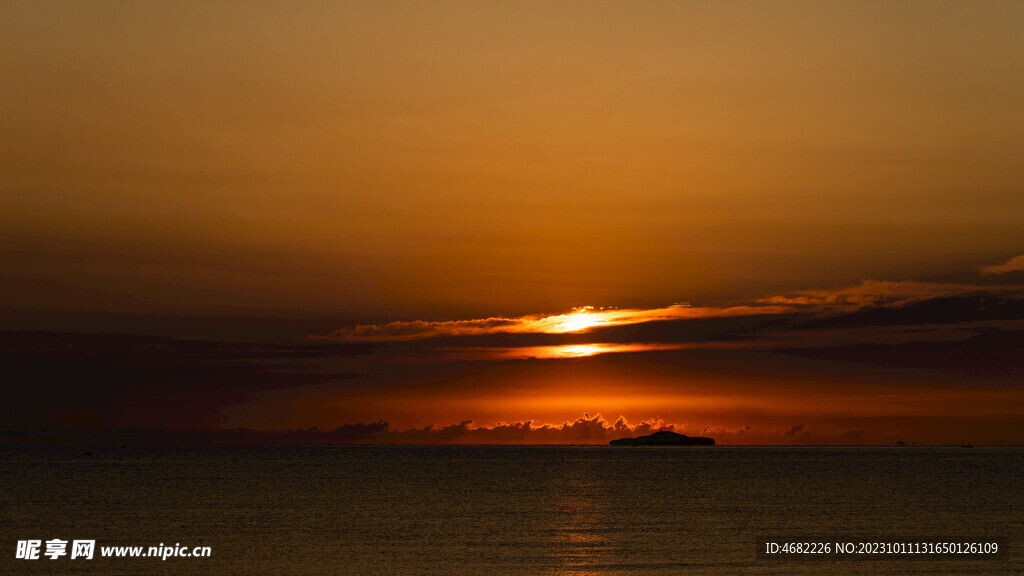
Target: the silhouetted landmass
pixel 664 438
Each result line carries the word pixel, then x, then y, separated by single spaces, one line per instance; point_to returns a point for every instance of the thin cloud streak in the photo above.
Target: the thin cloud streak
pixel 873 293
pixel 1015 264
pixel 580 320
pixel 588 319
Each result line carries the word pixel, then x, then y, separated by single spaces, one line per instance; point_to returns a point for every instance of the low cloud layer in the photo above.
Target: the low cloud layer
pixel 588 429
pixel 584 430
pixel 1015 264
pixel 579 320
pixel 872 293
pixel 795 430
pixel 779 320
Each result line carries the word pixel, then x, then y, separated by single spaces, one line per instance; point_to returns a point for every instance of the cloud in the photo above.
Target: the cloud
pixel 1015 264
pixel 588 429
pixel 871 293
pixel 793 431
pixel 726 433
pixel 579 320
pixel 584 430
pixel 618 323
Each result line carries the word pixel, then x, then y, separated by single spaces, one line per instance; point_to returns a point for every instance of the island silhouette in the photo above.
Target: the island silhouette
pixel 664 438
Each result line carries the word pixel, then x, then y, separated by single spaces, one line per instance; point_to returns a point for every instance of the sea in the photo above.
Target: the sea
pixel 513 510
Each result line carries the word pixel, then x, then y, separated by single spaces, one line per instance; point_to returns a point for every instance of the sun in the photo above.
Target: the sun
pixel 579 320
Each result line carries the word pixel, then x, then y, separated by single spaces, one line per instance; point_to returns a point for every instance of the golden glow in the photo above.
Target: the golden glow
pixel 580 350
pixel 579 320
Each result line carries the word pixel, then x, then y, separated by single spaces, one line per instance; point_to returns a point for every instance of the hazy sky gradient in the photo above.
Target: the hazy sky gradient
pixel 454 159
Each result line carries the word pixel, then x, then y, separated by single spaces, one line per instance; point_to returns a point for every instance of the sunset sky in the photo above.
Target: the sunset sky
pixel 785 222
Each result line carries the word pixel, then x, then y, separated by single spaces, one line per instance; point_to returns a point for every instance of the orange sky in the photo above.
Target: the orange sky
pixel 451 159
pixel 275 171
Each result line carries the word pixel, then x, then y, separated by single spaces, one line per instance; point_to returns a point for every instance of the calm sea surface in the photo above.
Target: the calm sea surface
pixel 511 510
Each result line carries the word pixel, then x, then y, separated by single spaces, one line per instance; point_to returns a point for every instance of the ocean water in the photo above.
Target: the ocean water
pixel 512 510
